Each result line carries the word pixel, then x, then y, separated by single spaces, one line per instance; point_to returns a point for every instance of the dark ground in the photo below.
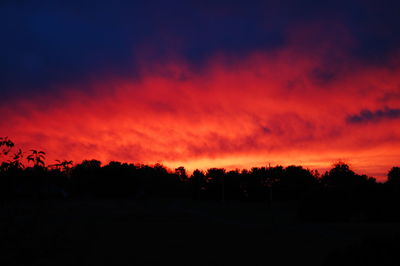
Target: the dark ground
pixel 183 232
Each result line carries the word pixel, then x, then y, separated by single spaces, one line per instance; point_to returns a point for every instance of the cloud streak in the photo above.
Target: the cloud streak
pixel 368 116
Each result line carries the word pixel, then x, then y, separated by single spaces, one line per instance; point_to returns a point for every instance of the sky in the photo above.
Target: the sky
pixel 202 84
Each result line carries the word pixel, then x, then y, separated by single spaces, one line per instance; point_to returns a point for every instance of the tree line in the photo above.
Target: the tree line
pixel 339 193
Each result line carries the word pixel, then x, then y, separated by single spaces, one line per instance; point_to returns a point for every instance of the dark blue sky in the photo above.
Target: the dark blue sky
pixel 46 43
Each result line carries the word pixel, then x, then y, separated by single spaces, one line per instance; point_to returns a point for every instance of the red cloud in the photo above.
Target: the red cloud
pixel 286 107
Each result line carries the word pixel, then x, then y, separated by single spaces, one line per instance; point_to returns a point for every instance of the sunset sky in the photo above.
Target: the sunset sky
pixel 204 83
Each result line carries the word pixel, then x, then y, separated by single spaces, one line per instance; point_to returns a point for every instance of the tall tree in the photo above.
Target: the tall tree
pixel 394 176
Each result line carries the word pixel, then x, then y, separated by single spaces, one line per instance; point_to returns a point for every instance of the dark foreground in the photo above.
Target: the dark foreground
pixel 183 232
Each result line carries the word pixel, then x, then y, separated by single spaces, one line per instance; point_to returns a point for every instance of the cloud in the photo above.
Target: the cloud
pixel 214 85
pixel 242 113
pixel 55 44
pixel 368 116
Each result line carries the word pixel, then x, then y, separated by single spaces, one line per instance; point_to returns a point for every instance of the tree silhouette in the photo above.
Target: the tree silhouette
pixel 83 177
pixel 63 165
pixel 37 158
pixel 9 161
pixel 6 145
pixel 394 176
pixel 342 176
pixel 339 195
pixel 198 181
pixel 181 172
pixel 216 182
pixel 298 177
pixel 16 161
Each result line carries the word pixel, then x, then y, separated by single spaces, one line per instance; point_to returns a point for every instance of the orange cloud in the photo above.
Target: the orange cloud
pixel 284 107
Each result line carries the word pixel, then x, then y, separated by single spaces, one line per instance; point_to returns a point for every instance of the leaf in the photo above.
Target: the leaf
pixel 10 144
